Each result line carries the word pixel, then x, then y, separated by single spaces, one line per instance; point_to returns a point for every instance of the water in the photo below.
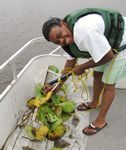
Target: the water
pixel 21 20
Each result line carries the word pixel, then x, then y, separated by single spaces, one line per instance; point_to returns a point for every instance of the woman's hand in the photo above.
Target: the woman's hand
pixel 79 69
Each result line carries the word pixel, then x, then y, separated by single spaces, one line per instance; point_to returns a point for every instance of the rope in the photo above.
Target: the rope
pixel 85 75
pixel 107 79
pixel 82 78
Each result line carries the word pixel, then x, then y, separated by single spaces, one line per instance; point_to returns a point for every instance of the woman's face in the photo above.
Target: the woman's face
pixel 61 35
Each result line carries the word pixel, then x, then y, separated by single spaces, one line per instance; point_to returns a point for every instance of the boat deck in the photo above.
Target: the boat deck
pixel 112 137
pixel 72 140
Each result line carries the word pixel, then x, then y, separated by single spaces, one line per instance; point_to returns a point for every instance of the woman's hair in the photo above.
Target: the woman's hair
pixel 47 26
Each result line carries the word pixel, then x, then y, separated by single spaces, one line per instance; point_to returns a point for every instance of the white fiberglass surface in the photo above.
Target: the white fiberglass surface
pixel 78 140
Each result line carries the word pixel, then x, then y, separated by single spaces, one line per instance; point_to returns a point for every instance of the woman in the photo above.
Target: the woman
pixel 93 33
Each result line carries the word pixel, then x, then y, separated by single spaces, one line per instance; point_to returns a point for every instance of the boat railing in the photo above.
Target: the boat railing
pixel 11 61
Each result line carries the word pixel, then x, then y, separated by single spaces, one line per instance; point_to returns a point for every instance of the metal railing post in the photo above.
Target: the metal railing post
pixel 13 68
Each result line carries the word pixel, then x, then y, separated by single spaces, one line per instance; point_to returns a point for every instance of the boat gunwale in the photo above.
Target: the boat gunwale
pixel 12 65
pixel 13 82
